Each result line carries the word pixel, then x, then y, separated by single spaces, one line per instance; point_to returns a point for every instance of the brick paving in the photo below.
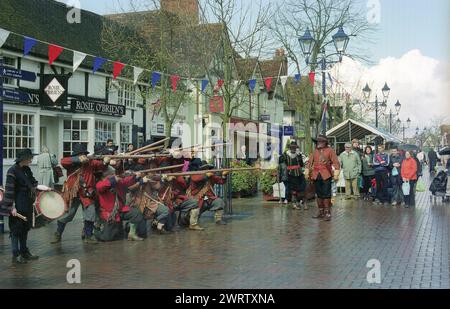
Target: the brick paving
pixel 263 246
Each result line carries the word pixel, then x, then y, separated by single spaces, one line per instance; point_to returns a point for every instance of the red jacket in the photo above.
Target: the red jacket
pixel 409 169
pixel 87 178
pixel 107 197
pixel 202 186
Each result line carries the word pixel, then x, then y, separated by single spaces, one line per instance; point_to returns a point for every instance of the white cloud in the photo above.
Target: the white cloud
pixel 420 83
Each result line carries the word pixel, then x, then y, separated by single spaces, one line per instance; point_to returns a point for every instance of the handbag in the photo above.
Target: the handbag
pixel 420 187
pixel 394 171
pixel 406 188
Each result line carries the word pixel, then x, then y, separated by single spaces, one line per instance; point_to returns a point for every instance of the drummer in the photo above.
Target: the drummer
pixel 18 204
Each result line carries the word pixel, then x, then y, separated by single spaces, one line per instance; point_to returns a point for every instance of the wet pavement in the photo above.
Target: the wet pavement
pixel 263 246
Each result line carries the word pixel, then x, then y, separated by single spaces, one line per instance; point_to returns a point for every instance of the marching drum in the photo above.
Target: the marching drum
pixel 50 204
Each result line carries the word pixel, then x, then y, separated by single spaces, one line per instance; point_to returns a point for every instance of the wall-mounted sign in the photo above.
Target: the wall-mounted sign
pixel 160 128
pixel 18 74
pixel 265 117
pixel 101 108
pixel 288 131
pixel 54 90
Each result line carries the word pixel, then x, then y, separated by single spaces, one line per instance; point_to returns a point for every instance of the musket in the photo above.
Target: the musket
pixel 146 148
pixel 160 169
pixel 126 156
pixel 213 171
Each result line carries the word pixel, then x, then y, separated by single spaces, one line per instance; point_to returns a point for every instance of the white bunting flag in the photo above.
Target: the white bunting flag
pixel 137 73
pixel 4 34
pixel 78 58
pixel 283 80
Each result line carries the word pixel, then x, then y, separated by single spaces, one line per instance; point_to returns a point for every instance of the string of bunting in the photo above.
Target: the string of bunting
pixel 54 51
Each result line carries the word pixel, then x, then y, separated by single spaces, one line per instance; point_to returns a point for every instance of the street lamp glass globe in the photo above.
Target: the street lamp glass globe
pixel 399 121
pixel 306 43
pixel 366 92
pixel 408 122
pixel 386 90
pixel 398 106
pixel 340 40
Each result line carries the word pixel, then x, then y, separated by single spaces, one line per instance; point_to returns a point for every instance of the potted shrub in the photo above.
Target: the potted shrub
pixel 268 179
pixel 243 183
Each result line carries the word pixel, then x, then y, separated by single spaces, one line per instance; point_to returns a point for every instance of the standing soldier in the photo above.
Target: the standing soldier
pixel 18 202
pixel 320 170
pixel 296 180
pixel 79 189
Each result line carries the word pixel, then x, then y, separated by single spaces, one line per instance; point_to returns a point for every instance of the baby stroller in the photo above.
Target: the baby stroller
pixel 438 186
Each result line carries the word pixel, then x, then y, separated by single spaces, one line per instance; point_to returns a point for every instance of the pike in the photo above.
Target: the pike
pixel 146 148
pixel 213 171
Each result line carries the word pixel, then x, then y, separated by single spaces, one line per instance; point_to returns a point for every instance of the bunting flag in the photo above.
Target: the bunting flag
pixel 236 84
pixel 117 68
pixel 297 77
pixel 252 85
pixel 174 80
pixel 156 77
pixel 53 53
pixel 137 72
pixel 205 83
pixel 98 62
pixel 77 59
pixel 330 78
pixel 283 80
pixel 220 83
pixel 312 77
pixel 28 44
pixel 3 36
pixel 324 118
pixel 268 83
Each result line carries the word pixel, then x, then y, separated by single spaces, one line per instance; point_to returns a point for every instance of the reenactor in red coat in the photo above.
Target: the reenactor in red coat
pixel 201 188
pixel 320 170
pixel 111 192
pixel 79 189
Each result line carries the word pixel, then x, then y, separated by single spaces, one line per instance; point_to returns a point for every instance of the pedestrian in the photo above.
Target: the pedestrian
pixel 432 160
pixel 130 147
pixel 283 177
pixel 20 195
pixel 46 162
pixel 368 172
pixel 409 176
pixel 320 170
pixel 421 157
pixel 296 180
pixel 356 146
pixel 351 168
pixel 395 166
pixel 381 167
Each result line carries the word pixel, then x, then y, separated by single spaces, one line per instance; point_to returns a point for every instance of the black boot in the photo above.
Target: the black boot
pixel 29 257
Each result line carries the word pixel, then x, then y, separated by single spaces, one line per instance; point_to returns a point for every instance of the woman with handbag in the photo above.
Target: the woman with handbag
pixel 46 162
pixel 409 176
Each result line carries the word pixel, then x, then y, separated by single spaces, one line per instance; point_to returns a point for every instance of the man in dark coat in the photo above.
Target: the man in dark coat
pixel 20 194
pixel 296 180
pixel 432 159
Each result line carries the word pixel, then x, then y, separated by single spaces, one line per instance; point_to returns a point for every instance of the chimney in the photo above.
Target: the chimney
pixel 183 8
pixel 280 55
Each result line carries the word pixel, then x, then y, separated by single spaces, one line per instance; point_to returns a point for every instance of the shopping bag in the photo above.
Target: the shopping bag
pixel 420 186
pixel 278 189
pixel 406 188
pixel 394 171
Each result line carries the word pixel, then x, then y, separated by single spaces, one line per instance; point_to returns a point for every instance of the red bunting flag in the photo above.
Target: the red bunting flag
pixel 53 53
pixel 312 77
pixel 117 68
pixel 219 85
pixel 268 83
pixel 174 79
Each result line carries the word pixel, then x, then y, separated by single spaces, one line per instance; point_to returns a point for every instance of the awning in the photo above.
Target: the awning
pixel 350 129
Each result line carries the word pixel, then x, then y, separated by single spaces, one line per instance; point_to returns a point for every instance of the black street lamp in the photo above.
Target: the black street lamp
pixel 408 125
pixel 385 90
pixel 397 106
pixel 308 44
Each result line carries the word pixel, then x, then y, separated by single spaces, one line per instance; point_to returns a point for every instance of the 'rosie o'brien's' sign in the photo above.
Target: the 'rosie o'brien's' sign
pixel 97 108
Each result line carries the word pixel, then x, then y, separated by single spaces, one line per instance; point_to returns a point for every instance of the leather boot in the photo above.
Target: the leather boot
pixel 28 256
pixel 218 216
pixel 193 220
pixel 90 240
pixel 327 206
pixel 132 236
pixel 320 214
pixel 19 260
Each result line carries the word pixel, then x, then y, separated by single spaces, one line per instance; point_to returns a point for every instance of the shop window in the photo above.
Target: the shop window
pixel 127 94
pixel 104 130
pixel 75 131
pixel 18 133
pixel 125 136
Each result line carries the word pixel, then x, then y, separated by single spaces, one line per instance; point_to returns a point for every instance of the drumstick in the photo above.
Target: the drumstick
pixel 18 215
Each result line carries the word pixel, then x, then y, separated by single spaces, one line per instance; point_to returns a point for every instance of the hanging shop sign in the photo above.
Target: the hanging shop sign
pixel 54 90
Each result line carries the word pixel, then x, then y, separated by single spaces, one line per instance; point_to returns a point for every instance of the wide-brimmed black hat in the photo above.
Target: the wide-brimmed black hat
pixel 320 139
pixel 24 154
pixel 79 149
pixel 195 164
pixel 206 166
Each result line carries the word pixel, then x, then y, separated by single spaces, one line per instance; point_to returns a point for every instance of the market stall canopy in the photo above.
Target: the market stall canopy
pixel 350 129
